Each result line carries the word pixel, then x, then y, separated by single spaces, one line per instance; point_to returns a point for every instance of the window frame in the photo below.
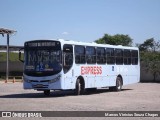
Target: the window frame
pixel 119 56
pixel 101 56
pixel 127 57
pixel 134 57
pixel 81 56
pixel 90 55
pixel 110 58
pixel 67 62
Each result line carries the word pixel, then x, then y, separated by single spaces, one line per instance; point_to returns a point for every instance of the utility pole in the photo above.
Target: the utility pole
pixel 8 33
pixel 7 67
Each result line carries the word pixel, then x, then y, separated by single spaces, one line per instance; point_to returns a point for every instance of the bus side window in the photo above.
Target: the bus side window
pixel 134 54
pixel 79 54
pixel 110 56
pixel 90 55
pixel 119 56
pixel 67 57
pixel 127 57
pixel 101 57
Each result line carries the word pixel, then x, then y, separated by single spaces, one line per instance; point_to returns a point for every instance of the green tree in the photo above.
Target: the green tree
pixel 118 39
pixel 150 57
pixel 147 45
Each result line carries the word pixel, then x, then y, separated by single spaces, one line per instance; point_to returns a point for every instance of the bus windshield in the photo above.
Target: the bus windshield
pixel 42 58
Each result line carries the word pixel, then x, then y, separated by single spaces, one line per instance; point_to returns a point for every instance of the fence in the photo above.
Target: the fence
pixel 15 68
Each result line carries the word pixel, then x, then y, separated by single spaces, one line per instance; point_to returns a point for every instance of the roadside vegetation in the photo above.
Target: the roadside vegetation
pixel 12 56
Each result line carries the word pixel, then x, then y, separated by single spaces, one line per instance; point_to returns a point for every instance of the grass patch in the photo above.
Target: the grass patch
pixel 12 56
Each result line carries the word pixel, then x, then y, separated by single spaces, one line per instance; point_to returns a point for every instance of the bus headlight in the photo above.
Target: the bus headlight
pixel 55 79
pixel 26 80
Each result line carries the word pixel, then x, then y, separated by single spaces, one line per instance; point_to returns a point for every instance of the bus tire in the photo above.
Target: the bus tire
pixel 79 90
pixel 118 86
pixel 47 92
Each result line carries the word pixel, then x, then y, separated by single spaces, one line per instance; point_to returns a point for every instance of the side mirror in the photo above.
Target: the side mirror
pixel 20 56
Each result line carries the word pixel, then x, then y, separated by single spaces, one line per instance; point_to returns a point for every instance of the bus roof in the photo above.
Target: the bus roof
pixel 94 44
pixel 87 43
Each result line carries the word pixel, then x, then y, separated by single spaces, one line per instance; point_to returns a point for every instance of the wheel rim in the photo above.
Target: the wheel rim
pixel 79 88
pixel 119 85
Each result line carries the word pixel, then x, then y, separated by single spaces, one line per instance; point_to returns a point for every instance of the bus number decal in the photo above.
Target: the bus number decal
pixel 91 70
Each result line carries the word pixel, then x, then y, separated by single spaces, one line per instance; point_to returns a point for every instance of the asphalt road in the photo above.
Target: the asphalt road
pixel 135 97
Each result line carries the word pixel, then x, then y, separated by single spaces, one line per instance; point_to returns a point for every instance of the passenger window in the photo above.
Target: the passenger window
pixel 101 57
pixel 90 55
pixel 134 54
pixel 119 56
pixel 79 54
pixel 110 56
pixel 127 57
pixel 67 57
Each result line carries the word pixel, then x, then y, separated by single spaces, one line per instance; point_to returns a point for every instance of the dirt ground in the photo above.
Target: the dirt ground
pixel 135 97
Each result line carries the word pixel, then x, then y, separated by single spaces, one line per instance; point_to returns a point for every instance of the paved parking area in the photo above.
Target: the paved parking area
pixel 135 97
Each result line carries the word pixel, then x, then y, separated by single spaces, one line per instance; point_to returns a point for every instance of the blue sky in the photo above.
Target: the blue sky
pixel 79 20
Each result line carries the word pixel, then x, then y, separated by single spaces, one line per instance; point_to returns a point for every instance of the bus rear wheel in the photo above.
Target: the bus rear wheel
pixel 79 90
pixel 47 92
pixel 118 86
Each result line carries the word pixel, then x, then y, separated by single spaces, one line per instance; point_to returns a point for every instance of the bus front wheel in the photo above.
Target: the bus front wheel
pixel 79 90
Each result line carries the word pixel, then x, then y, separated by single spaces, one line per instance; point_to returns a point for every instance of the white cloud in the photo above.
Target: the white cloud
pixel 65 33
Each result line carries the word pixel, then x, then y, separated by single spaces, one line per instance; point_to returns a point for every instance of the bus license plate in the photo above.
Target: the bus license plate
pixel 39 85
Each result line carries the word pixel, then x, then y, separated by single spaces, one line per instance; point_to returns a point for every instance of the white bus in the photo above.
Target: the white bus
pixel 70 65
